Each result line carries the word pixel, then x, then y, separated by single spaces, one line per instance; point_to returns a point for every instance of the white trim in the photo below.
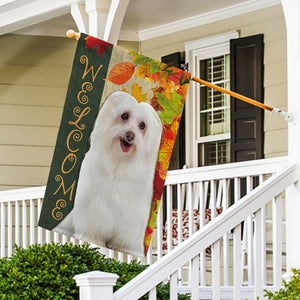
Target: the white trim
pixel 194 50
pixel 213 138
pixel 13 19
pixel 212 41
pixel 206 18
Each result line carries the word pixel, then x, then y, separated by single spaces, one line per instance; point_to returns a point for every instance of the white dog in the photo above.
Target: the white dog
pixel 115 187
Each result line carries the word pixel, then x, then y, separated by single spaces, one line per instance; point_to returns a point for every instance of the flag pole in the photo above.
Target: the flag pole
pixel 287 116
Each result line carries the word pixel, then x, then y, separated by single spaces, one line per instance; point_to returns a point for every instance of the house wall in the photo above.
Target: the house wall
pixel 34 74
pixel 271 23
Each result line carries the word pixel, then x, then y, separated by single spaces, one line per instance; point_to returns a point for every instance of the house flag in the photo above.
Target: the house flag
pixel 118 128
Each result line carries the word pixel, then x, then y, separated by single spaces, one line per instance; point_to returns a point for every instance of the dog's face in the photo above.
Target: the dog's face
pixel 127 129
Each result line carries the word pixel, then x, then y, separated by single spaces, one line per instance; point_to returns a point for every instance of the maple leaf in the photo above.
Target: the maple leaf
pixel 121 73
pixel 172 108
pixel 143 71
pixel 176 77
pixel 185 78
pixel 136 92
pixel 139 59
pixel 94 43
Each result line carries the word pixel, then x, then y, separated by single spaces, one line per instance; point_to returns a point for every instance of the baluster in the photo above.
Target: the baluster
pixel 17 224
pixel 169 217
pixel 202 200
pixel 249 183
pixel 111 254
pixel 190 208
pixel 263 239
pixel 237 275
pixel 121 256
pixel 64 239
pixel 56 238
pixel 159 231
pixel 224 204
pixel 9 229
pixel 216 278
pixel 149 254
pixel 258 287
pixel 152 294
pixel 48 240
pixel 173 286
pixel 277 241
pixel 237 267
pixel 213 199
pixel 194 282
pixel 40 230
pixel 191 217
pixel 24 224
pixel 179 227
pixel 32 223
pixel 2 225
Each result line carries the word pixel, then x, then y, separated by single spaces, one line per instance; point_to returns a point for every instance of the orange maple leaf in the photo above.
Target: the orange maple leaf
pixel 121 73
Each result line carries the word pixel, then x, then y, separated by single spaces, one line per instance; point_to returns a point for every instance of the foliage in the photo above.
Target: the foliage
pixel 290 291
pixel 46 272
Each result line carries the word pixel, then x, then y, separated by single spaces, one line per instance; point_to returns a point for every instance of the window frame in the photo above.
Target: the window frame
pixel 196 51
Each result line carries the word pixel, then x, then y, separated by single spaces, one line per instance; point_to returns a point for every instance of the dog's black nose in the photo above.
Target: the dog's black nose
pixel 130 136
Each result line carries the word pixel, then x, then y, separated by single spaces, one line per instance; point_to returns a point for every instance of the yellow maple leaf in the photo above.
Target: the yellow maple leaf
pixel 136 92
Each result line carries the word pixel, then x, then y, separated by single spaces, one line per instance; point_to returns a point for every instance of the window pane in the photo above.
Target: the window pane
pixel 214 105
pixel 214 153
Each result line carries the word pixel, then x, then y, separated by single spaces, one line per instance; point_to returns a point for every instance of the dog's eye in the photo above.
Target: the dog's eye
pixel 125 116
pixel 142 125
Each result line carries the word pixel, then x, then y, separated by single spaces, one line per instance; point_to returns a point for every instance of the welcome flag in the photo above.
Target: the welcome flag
pixel 115 141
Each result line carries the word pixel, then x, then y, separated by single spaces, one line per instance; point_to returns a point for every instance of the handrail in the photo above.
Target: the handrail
pixel 230 170
pixel 22 194
pixel 247 168
pixel 210 233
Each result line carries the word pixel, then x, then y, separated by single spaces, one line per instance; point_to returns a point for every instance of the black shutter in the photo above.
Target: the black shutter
pixel 246 77
pixel 178 156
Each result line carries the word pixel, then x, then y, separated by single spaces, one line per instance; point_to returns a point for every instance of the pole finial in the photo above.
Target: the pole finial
pixel 73 34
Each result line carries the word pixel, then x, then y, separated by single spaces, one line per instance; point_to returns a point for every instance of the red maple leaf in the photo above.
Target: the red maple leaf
pixel 94 43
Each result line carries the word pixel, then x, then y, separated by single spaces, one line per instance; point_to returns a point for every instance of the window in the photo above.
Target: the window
pixel 214 115
pixel 208 110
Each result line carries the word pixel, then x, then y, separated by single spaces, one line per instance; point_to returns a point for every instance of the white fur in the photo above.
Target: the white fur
pixel 115 188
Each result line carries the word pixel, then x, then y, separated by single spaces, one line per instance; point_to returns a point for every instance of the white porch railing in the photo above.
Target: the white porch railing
pixel 251 206
pixel 188 192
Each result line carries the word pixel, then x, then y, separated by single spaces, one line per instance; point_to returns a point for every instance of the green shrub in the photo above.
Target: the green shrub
pixel 44 272
pixel 290 291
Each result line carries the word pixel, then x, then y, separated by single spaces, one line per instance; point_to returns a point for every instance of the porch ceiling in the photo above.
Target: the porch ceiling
pixel 143 19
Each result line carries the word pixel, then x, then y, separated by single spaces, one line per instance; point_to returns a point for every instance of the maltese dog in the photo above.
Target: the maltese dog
pixel 115 186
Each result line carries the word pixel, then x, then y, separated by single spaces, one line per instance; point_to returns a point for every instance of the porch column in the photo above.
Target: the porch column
pixel 292 18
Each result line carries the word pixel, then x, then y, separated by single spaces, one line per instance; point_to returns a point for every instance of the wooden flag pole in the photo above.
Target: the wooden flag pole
pixel 287 116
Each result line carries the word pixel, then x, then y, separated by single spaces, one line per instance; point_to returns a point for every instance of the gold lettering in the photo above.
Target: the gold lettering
pixel 71 157
pixel 62 185
pixel 77 136
pixel 86 87
pixel 77 113
pixel 56 213
pixel 84 60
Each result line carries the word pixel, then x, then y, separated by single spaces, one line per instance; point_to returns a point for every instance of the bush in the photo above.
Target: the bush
pixel 44 272
pixel 290 291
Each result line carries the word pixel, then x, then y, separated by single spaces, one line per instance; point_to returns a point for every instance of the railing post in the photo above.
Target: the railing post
pixel 96 285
